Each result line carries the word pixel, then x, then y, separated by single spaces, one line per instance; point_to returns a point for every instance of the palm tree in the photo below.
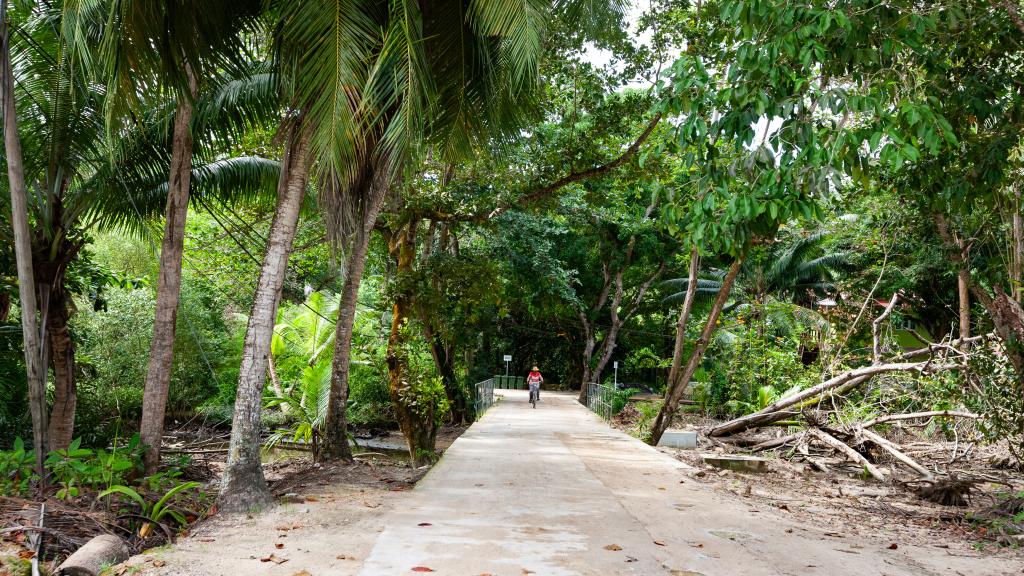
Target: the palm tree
pixel 467 72
pixel 176 47
pixel 367 84
pixel 799 272
pixel 83 176
pixel 22 247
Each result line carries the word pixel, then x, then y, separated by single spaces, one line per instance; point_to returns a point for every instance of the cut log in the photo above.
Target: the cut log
pixel 896 453
pixel 848 452
pixel 775 411
pixel 911 416
pixel 101 552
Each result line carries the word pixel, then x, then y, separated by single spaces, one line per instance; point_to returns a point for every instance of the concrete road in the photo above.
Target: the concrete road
pixel 554 491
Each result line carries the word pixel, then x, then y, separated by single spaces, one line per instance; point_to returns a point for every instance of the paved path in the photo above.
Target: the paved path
pixel 554 491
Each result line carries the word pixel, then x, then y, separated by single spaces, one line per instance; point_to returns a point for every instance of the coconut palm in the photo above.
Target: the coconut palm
pixel 798 272
pixel 82 176
pixel 173 48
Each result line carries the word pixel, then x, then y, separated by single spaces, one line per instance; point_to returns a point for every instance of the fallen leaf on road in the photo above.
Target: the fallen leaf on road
pixel 274 558
pixel 613 547
pixel 630 559
pixel 659 543
pixel 283 528
pixel 302 573
pixel 422 569
pixel 893 546
pixel 279 545
pixel 159 563
pixel 345 557
pixel 424 524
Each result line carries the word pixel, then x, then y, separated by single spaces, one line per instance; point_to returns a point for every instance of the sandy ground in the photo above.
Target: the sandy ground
pixel 551 491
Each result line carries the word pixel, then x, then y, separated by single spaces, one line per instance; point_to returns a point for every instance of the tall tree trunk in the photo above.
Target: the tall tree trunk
pixel 243 487
pixel 963 290
pixel 417 422
pixel 30 334
pixel 684 316
pixel 62 356
pixel 1017 261
pixel 1006 313
pixel 5 307
pixel 161 352
pixel 675 390
pixel 335 439
pixel 444 360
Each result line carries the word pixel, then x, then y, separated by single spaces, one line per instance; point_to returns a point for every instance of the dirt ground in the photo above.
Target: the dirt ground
pixel 303 534
pixel 299 536
pixel 858 509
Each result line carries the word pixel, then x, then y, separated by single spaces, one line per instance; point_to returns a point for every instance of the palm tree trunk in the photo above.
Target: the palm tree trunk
pixel 23 253
pixel 675 390
pixel 243 487
pixel 161 354
pixel 684 316
pixel 62 357
pixel 335 440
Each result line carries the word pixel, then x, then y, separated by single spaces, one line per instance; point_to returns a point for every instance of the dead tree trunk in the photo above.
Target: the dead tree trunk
pixel 30 333
pixel 675 391
pixel 243 487
pixel 775 411
pixel 168 292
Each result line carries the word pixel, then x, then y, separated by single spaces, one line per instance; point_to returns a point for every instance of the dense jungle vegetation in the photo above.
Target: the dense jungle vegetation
pixel 295 220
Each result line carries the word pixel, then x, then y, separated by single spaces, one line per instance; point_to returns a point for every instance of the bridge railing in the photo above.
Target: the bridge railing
pixel 509 382
pixel 599 399
pixel 484 396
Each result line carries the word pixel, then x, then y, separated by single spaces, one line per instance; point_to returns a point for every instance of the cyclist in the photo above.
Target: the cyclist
pixel 534 380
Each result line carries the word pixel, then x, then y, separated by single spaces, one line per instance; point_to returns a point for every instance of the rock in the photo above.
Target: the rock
pixel 99 553
pixel 675 438
pixel 736 463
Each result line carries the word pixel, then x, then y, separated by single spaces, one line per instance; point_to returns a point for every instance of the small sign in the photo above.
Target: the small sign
pixel 615 364
pixel 508 357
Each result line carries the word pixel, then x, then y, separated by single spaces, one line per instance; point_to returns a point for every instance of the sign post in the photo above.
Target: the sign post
pixel 508 358
pixel 616 365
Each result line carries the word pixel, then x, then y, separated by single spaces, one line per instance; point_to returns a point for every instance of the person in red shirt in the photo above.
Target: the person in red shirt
pixel 534 380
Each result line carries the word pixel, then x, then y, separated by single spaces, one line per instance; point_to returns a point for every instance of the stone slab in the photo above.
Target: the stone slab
pixel 736 463
pixel 673 438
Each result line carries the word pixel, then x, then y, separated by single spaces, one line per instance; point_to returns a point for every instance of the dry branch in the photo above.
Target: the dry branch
pixel 876 328
pixel 895 452
pixel 911 416
pixel 774 411
pixel 848 452
pixel 776 442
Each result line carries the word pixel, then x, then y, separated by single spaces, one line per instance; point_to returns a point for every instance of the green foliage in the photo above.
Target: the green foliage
pixel 620 398
pixel 76 467
pixel 16 470
pixel 114 351
pixel 156 511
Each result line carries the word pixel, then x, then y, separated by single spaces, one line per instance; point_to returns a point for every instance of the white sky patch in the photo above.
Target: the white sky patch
pixel 601 58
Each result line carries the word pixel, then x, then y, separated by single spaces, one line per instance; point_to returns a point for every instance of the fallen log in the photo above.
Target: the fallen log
pixel 99 553
pixel 911 416
pixel 776 442
pixel 848 452
pixel 774 411
pixel 895 452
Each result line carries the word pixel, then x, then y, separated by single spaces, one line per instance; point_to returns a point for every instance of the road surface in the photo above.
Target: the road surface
pixel 554 491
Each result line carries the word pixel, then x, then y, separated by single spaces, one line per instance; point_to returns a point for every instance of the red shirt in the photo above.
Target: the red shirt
pixel 534 378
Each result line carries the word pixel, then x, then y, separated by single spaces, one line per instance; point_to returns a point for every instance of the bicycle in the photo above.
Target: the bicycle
pixel 534 395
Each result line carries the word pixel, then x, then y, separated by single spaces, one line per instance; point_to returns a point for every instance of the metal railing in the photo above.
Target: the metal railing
pixel 599 399
pixel 484 396
pixel 509 382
